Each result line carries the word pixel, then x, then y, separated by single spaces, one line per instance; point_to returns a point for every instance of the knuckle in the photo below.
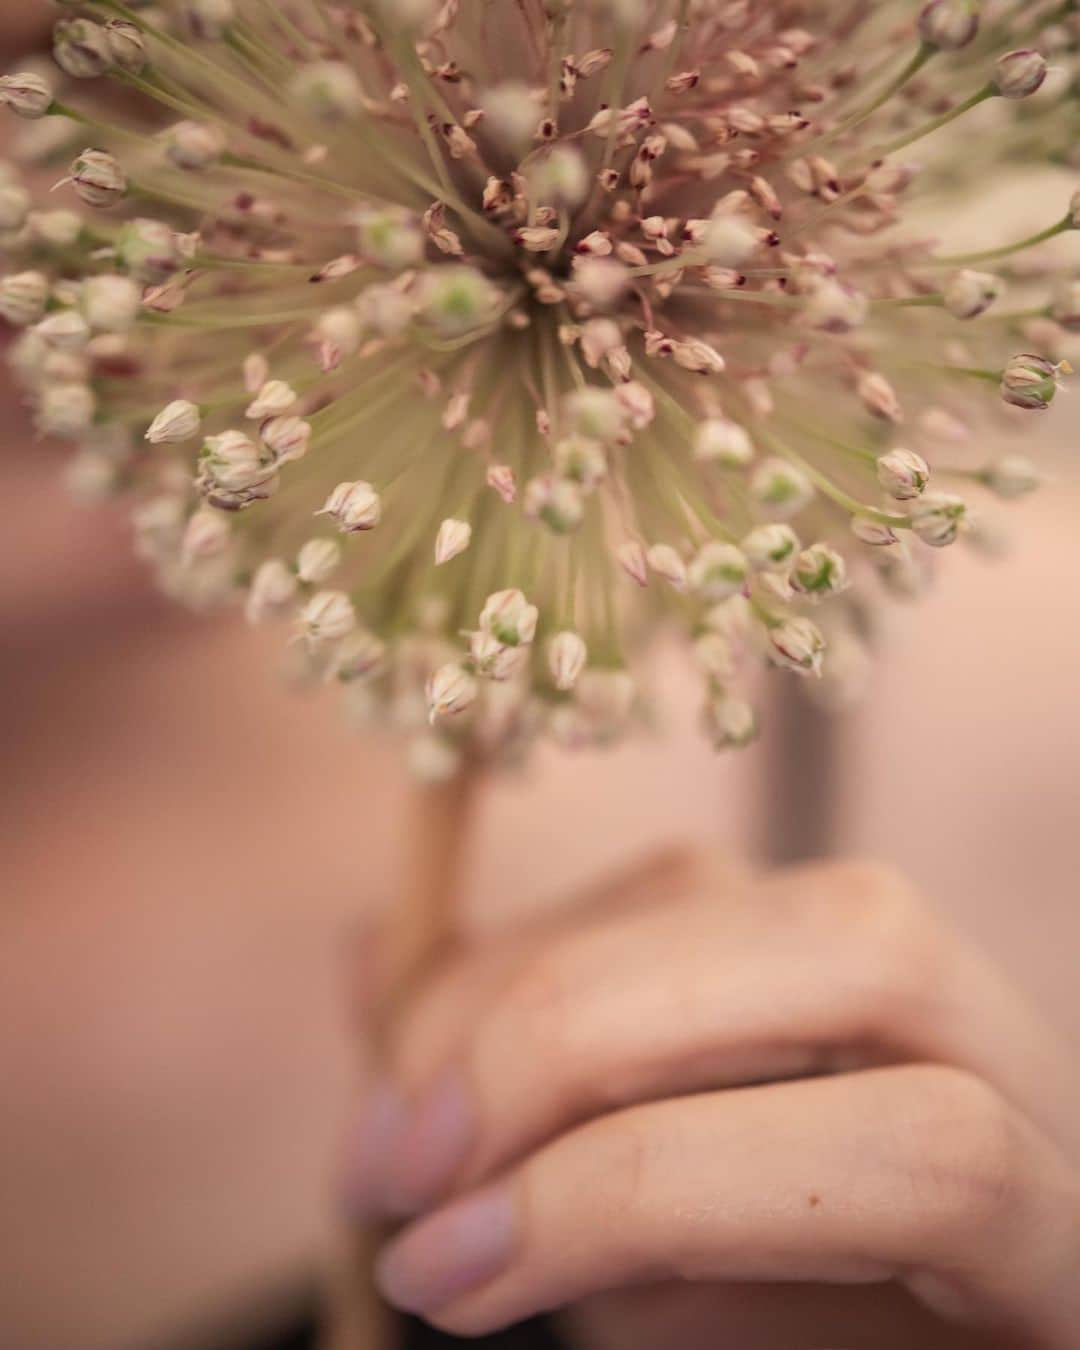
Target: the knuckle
pixel 897 951
pixel 628 1154
pixel 839 895
pixel 963 1156
pixel 867 886
pixel 541 1011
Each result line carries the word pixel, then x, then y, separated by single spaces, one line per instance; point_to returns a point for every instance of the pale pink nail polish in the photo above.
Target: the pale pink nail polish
pixel 368 1146
pixel 455 1251
pixel 435 1143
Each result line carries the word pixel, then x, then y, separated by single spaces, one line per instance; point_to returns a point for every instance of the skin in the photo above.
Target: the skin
pixel 793 1105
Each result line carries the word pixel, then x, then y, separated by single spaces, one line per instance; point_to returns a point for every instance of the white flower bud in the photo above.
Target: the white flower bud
pixel 903 474
pixel 65 410
pixel 337 334
pixel 730 722
pixel 599 283
pixel 23 297
pixel 361 654
pixel 453 538
pixel 819 571
pixel 567 655
pixel 1031 382
pixel 500 478
pixel 557 502
pixel 581 459
pixel 210 19
pixel 949 24
pixel 206 535
pixel 537 238
pixel 718 570
pixel 26 94
pixel 390 238
pixel 600 337
pixel 66 330
pixel 797 644
pixel 873 533
pixel 14 207
pixel 98 178
pixel 110 303
pixel 781 488
pixel 126 45
pixel 195 145
pixel 329 90
pixel 353 506
pixel 384 309
pixel 91 477
pixel 879 397
pixel 272 592
pixel 834 307
pixel 968 294
pixel 450 690
pixel 234 462
pixel 937 518
pixel 318 560
pixel 274 398
pixel 55 229
pixel 1019 74
pixel 771 546
pixel 715 655
pixel 327 616
pixel 637 403
pixel 698 356
pixel 632 558
pixel 666 562
pixel 493 660
pixel 1012 476
pixel 1065 308
pixel 81 48
pixel 509 618
pixel 729 241
pixel 150 250
pixel 456 299
pixel 177 421
pixel 512 114
pixel 596 413
pixel 561 177
pixel 159 526
pixel 723 442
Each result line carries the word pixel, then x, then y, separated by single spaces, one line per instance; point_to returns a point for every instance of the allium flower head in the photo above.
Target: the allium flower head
pixel 469 340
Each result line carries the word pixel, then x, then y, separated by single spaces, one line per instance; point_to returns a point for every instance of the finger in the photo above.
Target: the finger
pixel 816 970
pixel 766 1317
pixel 918 1174
pixel 454 999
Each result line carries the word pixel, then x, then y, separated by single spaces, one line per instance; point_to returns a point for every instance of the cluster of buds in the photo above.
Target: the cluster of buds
pixel 439 331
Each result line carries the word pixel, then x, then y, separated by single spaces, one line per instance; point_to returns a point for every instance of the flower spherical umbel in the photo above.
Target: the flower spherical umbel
pixel 472 342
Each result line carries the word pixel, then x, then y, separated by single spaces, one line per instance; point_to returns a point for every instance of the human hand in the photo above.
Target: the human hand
pixel 905 1164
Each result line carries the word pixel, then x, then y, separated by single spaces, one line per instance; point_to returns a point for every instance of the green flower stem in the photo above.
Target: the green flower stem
pixel 829 489
pixel 989 254
pixel 922 54
pixel 927 128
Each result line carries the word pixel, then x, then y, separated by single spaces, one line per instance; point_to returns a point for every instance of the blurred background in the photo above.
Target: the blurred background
pixel 189 849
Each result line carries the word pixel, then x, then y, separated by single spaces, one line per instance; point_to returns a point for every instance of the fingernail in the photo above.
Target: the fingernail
pixel 368 1145
pixel 432 1147
pixel 455 1251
